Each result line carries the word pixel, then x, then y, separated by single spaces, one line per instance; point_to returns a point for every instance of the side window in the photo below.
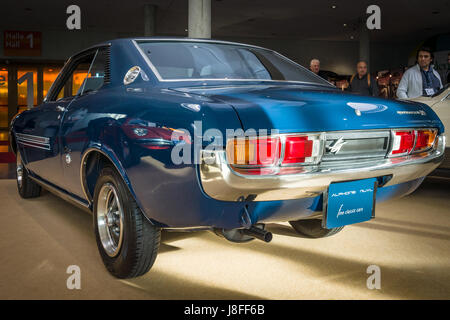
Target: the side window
pixel 96 76
pixel 71 83
pixel 84 75
pixel 78 78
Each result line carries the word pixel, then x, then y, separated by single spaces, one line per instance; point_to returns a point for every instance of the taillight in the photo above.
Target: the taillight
pixel 253 151
pixel 274 155
pixel 301 149
pixel 406 142
pixel 403 142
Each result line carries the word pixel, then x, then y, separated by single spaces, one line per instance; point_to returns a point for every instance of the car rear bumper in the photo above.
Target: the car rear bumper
pixel 220 182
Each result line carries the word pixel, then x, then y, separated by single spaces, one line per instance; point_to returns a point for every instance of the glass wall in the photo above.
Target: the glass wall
pixel 39 76
pixel 78 77
pixel 3 97
pixel 22 89
pixel 50 75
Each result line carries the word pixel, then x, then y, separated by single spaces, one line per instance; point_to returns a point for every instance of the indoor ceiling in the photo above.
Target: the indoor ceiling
pixel 401 20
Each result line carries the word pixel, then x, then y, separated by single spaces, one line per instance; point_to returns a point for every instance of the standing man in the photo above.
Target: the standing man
pixel 362 82
pixel 420 80
pixel 314 66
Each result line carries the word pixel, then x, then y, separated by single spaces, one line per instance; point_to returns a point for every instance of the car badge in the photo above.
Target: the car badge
pixel 336 146
pixel 360 107
pixel 132 75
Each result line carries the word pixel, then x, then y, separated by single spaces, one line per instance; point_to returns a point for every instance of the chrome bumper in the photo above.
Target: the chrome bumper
pixel 220 182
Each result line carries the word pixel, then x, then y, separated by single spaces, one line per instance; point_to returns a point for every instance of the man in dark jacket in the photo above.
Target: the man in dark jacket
pixel 362 82
pixel 314 66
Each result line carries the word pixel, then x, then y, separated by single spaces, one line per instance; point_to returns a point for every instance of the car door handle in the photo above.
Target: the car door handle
pixel 61 109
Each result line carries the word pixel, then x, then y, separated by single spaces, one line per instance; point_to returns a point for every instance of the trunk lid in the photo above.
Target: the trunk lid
pixel 294 108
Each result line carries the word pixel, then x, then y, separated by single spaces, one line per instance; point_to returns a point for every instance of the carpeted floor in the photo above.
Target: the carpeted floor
pixel 409 240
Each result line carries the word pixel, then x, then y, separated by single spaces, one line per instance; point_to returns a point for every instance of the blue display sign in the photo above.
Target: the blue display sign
pixel 350 202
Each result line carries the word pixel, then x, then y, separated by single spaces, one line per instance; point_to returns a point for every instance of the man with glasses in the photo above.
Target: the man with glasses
pixel 362 82
pixel 420 80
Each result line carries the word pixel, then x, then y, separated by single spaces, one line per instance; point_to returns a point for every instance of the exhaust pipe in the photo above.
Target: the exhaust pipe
pixel 258 233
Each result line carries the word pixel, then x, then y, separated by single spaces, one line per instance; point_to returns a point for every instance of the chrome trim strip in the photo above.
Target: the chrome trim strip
pixel 33 141
pixel 149 63
pixel 44 147
pixel 220 182
pixel 32 138
pixel 83 171
pixel 198 40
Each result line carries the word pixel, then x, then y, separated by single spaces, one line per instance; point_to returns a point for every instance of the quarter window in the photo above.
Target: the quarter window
pixel 96 76
pixel 84 75
pixel 72 81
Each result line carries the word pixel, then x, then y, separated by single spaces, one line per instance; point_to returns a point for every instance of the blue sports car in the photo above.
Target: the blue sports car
pixel 187 134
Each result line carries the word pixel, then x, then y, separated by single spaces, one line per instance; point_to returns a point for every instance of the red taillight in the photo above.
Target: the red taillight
pixel 403 142
pixel 412 141
pixel 297 149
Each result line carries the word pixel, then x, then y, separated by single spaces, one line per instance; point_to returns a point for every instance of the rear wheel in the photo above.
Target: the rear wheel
pixel 312 228
pixel 128 243
pixel 26 187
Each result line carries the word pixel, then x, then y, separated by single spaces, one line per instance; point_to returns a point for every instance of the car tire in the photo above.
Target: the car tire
pixel 312 228
pixel 26 187
pixel 131 250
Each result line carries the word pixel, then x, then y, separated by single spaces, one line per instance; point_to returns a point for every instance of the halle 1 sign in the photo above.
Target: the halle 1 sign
pixel 22 43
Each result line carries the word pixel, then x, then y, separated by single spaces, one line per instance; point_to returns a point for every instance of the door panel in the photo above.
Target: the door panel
pixel 41 135
pixel 75 127
pixel 74 140
pixel 40 142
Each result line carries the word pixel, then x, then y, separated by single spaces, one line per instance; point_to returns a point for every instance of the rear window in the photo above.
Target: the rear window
pixel 178 60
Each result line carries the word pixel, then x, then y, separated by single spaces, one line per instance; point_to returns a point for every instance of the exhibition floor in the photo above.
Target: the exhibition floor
pixel 409 240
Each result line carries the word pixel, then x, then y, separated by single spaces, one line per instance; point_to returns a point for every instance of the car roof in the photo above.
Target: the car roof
pixel 182 39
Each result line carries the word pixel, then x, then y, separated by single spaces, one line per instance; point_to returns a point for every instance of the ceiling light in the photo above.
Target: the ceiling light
pixel 333 6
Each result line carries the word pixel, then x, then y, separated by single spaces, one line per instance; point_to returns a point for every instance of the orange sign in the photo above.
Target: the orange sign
pixel 22 43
